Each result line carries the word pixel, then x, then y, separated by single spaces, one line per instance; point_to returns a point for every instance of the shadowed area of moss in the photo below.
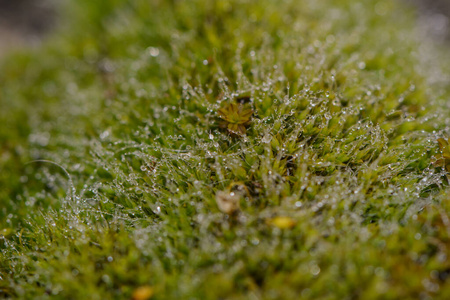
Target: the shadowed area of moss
pixel 224 150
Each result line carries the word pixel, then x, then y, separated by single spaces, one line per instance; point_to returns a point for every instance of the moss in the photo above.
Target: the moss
pixel 117 147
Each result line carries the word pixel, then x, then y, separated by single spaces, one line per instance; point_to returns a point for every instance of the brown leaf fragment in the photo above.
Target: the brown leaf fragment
pixel 228 202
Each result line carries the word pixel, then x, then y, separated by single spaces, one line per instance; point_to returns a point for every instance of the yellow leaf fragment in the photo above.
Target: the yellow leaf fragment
pixel 143 293
pixel 444 161
pixel 282 222
pixel 438 162
pixel 442 143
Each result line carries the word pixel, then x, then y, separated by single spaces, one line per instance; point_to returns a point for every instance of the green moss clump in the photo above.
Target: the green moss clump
pixel 319 121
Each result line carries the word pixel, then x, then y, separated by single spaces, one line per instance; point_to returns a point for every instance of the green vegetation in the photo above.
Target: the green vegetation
pixel 226 150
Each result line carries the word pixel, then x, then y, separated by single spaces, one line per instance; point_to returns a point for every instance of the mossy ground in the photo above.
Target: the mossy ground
pixel 116 152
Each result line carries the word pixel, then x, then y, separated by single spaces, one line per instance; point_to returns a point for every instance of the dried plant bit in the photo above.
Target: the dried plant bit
pixel 235 118
pixel 282 222
pixel 143 293
pixel 228 202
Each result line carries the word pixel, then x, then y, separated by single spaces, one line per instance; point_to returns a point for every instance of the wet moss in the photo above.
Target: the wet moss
pixel 318 122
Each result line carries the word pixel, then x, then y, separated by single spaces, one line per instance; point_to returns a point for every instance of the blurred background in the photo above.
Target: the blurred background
pixel 24 23
pixel 433 18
